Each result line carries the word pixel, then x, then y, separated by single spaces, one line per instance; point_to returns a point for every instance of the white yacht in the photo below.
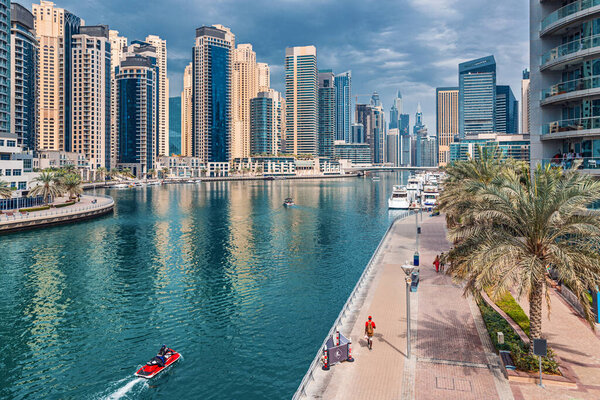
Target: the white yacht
pixel 400 198
pixel 429 196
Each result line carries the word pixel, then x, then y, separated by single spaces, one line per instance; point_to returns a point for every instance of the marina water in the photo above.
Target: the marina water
pixel 243 287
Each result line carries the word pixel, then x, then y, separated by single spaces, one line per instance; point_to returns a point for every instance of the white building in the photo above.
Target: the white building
pixel 16 166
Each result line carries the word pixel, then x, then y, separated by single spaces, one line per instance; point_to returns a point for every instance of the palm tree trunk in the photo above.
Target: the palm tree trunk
pixel 536 297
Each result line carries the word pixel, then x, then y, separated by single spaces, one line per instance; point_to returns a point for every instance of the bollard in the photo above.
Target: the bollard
pixel 337 338
pixel 350 359
pixel 325 359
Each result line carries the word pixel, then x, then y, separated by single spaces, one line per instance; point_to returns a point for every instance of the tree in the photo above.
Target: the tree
pixel 72 185
pixel 203 171
pixel 151 173
pixel 5 190
pixel 114 173
pixel 518 226
pixel 102 172
pixel 259 170
pixel 48 186
pixel 126 172
pixel 165 172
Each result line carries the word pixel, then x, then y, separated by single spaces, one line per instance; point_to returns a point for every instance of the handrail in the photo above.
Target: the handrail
pixel 17 215
pixel 567 10
pixel 314 364
pixel 574 85
pixel 583 43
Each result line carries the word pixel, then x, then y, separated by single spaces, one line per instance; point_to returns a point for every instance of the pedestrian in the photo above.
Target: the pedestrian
pixel 436 262
pixel 369 330
pixel 442 262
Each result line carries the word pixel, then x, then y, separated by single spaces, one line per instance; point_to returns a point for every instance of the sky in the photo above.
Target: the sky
pixel 409 45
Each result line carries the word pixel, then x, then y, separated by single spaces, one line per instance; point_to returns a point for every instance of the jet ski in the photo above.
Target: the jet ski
pixel 163 360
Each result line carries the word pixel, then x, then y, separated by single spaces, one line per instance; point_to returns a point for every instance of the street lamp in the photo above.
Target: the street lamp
pixel 408 270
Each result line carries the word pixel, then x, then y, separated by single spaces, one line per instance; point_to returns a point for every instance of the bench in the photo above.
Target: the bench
pixel 507 360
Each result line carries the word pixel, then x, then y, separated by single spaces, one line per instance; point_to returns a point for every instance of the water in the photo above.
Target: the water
pixel 244 288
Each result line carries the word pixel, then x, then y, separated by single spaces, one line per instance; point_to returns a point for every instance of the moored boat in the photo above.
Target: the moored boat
pixel 399 199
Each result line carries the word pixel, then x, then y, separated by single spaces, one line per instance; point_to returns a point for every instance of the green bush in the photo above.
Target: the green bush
pixel 509 305
pixel 32 209
pixel 70 203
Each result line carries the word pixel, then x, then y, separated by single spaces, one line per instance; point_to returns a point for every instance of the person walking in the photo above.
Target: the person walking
pixel 436 263
pixel 442 263
pixel 369 330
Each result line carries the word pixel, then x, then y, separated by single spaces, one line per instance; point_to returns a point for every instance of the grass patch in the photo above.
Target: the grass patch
pixel 32 209
pixel 509 305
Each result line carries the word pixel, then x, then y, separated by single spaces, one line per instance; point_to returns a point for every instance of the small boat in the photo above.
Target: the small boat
pixel 288 202
pixel 121 186
pixel 429 196
pixel 399 199
pixel 165 358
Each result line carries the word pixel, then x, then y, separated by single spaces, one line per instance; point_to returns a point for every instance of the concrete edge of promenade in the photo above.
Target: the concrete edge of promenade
pixel 314 381
pixel 57 216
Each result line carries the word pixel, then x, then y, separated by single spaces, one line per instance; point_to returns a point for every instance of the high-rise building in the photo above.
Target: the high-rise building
pixel 358 133
pixel 118 47
pixel 91 86
pixel 373 120
pixel 404 124
pixel 447 121
pixel 23 69
pixel 426 151
pixel 54 28
pixel 393 147
pixel 186 112
pixel 343 106
pixel 267 123
pixel 137 87
pixel 396 111
pixel 327 107
pixel 211 110
pixel 244 87
pixel 375 101
pixel 419 125
pixel 264 77
pixel 525 102
pixel 175 125
pixel 163 93
pixel 301 85
pixel 477 96
pixel 507 110
pixel 5 92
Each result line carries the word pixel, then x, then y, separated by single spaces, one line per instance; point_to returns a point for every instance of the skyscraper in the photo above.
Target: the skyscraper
pixel 507 110
pixel 358 133
pixel 327 107
pixel 54 28
pixel 301 100
pixel 91 86
pixel 186 112
pixel 404 124
pixel 393 147
pixel 419 125
pixel 244 87
pixel 525 102
pixel 163 93
pixel 211 110
pixel 264 77
pixel 396 111
pixel 373 120
pixel 447 121
pixel 5 92
pixel 118 47
pixel 23 68
pixel 343 106
pixel 175 125
pixel 267 123
pixel 375 101
pixel 477 96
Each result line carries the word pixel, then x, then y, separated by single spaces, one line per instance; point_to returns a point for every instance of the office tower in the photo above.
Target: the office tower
pixel 264 77
pixel 118 47
pixel 301 100
pixel 163 93
pixel 477 95
pixel 267 123
pixel 373 120
pixel 447 121
pixel 406 150
pixel 137 87
pixel 186 112
pixel 211 93
pixel 396 111
pixel 5 59
pixel 419 125
pixel 90 55
pixel 358 133
pixel 175 125
pixel 23 69
pixel 326 112
pixel 343 106
pixel 393 147
pixel 507 110
pixel 426 151
pixel 525 102
pixel 375 101
pixel 54 28
pixel 244 87
pixel 404 124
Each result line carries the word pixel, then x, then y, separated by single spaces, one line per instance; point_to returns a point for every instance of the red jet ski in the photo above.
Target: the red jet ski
pixel 163 360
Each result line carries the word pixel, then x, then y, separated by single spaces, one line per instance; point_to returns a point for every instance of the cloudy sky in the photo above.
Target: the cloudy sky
pixel 411 45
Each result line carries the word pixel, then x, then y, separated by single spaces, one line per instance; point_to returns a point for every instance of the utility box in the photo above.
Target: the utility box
pixel 500 337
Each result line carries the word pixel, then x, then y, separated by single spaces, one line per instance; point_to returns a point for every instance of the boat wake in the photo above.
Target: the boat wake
pixel 124 391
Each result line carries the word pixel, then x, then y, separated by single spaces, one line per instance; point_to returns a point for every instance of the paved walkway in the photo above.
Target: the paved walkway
pixel 85 204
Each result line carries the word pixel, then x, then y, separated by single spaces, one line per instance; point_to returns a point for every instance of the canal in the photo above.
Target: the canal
pixel 244 288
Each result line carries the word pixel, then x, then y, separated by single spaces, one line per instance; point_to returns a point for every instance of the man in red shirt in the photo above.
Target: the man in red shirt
pixel 369 330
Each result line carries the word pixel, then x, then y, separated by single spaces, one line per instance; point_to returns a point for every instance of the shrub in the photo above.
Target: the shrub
pixel 69 203
pixel 509 305
pixel 32 209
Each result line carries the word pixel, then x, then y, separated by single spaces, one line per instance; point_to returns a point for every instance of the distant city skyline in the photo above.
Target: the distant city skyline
pixel 378 60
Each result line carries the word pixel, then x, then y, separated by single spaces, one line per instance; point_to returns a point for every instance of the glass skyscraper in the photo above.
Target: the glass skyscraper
pixel 327 108
pixel 5 66
pixel 477 96
pixel 507 110
pixel 175 125
pixel 343 106
pixel 396 111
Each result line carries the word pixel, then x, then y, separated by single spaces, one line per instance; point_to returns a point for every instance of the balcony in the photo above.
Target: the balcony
pixel 568 52
pixel 590 165
pixel 575 89
pixel 567 14
pixel 575 127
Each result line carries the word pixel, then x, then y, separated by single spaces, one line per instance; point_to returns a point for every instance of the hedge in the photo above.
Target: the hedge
pixel 32 209
pixel 70 203
pixel 509 305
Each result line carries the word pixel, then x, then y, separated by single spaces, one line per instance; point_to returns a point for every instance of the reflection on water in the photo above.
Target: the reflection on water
pixel 243 287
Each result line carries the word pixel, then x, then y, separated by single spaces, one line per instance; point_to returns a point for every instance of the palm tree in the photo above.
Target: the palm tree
pixel 102 171
pixel 152 172
pixel 114 173
pixel 5 190
pixel 259 170
pixel 165 172
pixel 203 171
pixel 48 186
pixel 518 226
pixel 127 173
pixel 72 184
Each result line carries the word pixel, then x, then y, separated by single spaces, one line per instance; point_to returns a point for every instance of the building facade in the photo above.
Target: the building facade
pixel 358 134
pixel 525 99
pixel 245 78
pixel 343 106
pixel 5 61
pixel 477 96
pixel 267 123
pixel 393 147
pixel 327 107
pixel 118 48
pixel 175 125
pixel 160 47
pixel 301 88
pixel 357 153
pixel 264 77
pixel 186 112
pixel 23 71
pixel 211 93
pixel 512 146
pixel 395 112
pixel 507 110
pixel 447 121
pixel 372 119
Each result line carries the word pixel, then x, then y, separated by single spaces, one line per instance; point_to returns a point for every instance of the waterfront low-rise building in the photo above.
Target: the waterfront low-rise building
pixel 266 165
pixel 16 169
pixel 358 153
pixel 512 146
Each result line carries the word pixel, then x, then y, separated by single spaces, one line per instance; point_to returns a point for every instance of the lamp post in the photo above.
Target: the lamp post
pixel 408 270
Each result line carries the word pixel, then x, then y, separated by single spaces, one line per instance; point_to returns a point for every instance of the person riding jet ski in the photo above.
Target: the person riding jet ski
pixel 161 357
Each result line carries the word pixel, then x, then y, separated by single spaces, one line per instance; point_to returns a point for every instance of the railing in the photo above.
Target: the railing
pixel 34 215
pixel 317 360
pixel 567 10
pixel 591 82
pixel 566 161
pixel 569 125
pixel 569 48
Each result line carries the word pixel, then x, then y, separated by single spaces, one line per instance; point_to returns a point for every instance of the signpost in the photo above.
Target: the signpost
pixel 540 349
pixel 408 270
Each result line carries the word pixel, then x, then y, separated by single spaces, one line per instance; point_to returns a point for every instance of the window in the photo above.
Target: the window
pixel 11 143
pixel 22 185
pixel 7 172
pixel 16 172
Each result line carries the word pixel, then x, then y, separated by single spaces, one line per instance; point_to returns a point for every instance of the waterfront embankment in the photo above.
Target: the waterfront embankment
pixel 88 207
